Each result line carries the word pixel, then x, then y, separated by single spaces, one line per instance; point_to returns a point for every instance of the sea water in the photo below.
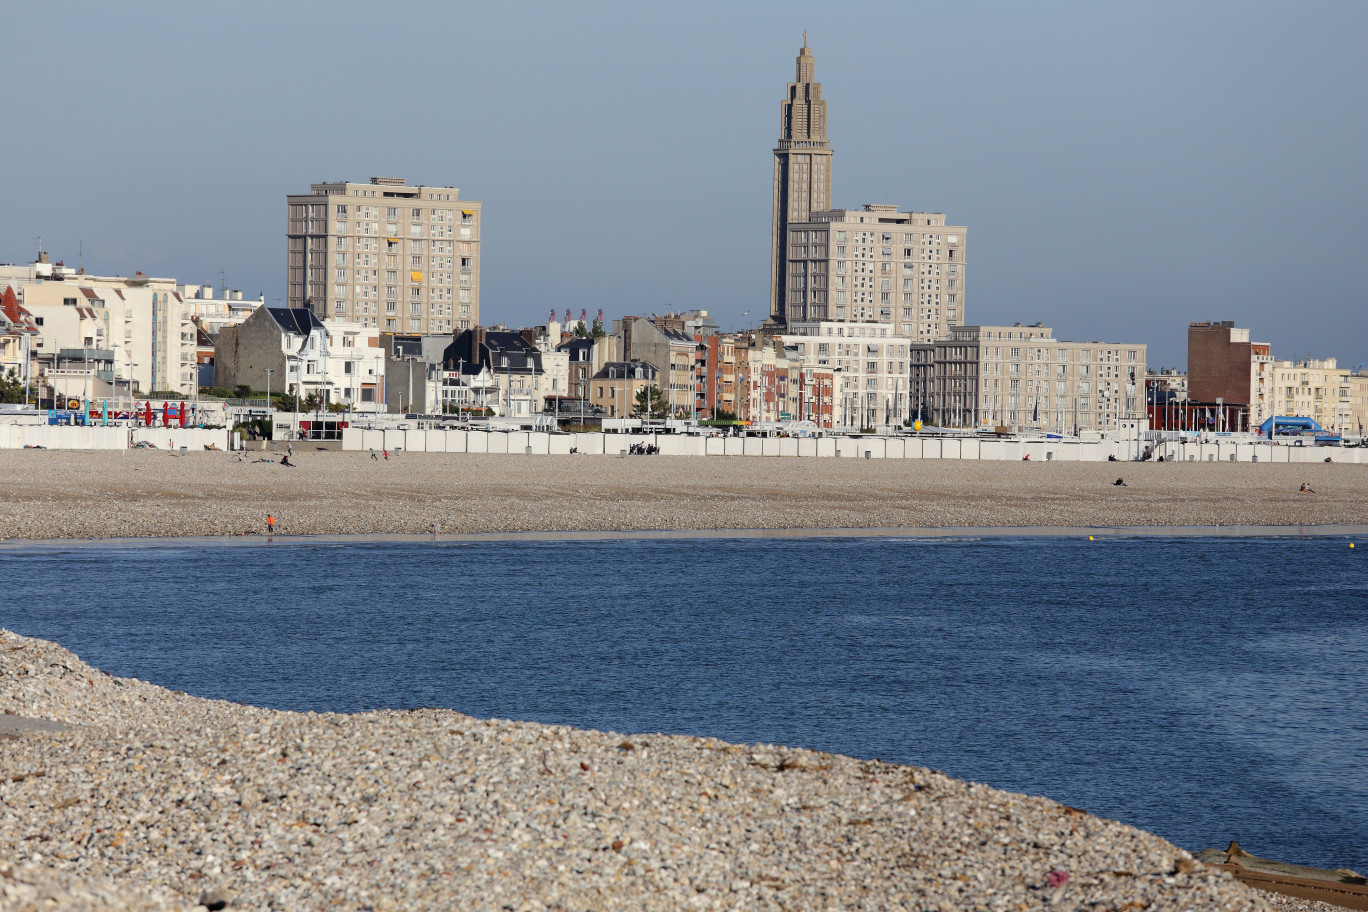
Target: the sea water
pixel 1206 689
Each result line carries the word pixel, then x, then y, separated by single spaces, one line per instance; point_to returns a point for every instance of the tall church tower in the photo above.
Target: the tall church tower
pixel 802 174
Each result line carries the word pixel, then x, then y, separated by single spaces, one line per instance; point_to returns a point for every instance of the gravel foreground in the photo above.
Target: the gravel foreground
pixel 156 800
pixel 87 494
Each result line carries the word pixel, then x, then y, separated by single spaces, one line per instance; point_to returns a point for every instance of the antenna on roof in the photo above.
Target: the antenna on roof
pixel 80 255
pixel 223 283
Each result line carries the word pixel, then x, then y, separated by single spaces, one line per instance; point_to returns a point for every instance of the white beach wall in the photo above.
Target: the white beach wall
pixel 542 443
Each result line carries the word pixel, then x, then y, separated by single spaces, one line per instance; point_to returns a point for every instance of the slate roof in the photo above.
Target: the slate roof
pixel 295 320
pixel 627 370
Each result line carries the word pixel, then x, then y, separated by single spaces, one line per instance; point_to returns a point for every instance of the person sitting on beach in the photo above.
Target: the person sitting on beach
pixel 1306 489
pixel 285 461
pixel 1120 483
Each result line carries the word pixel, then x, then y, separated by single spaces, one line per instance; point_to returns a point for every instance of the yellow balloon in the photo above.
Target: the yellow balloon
pixel 917 425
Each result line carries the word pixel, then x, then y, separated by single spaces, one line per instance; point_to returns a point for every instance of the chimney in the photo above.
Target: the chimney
pixel 477 341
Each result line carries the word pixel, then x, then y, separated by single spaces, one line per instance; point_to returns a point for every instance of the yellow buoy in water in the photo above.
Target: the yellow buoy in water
pixel 1090 538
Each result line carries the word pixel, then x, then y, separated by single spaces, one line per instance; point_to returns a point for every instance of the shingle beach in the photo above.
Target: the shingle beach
pixel 158 800
pixel 71 494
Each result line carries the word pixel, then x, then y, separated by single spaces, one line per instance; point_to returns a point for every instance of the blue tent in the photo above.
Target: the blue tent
pixel 1288 425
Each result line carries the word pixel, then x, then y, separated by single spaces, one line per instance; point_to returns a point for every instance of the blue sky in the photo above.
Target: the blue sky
pixel 1123 168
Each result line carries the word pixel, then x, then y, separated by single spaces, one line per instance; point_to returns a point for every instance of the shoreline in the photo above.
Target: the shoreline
pixel 911 533
pixel 431 809
pixel 71 495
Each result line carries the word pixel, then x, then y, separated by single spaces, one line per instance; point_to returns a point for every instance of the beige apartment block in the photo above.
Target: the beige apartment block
pixel 802 172
pixel 1358 404
pixel 878 265
pixel 1022 378
pixel 1315 389
pixel 385 254
pixel 871 364
pixel 142 322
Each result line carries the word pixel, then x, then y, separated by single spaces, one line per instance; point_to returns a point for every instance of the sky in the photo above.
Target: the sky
pixel 1123 169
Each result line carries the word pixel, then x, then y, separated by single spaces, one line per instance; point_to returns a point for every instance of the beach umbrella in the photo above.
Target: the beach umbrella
pixel 147 412
pixel 105 418
pixel 182 414
pixel 166 414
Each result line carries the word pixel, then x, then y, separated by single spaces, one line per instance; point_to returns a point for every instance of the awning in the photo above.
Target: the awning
pixel 416 276
pixel 393 240
pixel 467 211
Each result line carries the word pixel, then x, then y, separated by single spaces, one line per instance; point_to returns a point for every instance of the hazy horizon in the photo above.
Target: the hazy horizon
pixel 1122 170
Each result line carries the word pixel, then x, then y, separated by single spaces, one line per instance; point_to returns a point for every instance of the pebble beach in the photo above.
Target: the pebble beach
pixel 149 799
pixel 157 800
pixel 141 493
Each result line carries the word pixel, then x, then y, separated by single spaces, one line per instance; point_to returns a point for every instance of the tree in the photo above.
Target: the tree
pixel 285 402
pixel 311 403
pixel 580 331
pixel 11 387
pixel 653 398
pixel 597 330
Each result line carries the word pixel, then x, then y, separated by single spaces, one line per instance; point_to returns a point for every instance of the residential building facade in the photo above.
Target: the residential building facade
pixel 1317 389
pixel 879 265
pixel 616 385
pixel 386 255
pixel 510 359
pixel 871 367
pixel 1022 378
pixel 142 321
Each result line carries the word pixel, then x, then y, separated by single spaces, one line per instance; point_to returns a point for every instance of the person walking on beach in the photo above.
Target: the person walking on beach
pixel 373 456
pixel 289 449
pixel 386 455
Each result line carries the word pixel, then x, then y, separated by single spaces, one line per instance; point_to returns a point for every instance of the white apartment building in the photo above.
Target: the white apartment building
pixel 142 322
pixel 387 255
pixel 213 313
pixel 871 364
pixel 876 264
pixel 1021 377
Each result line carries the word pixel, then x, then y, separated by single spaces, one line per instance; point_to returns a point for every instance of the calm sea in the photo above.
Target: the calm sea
pixel 1205 689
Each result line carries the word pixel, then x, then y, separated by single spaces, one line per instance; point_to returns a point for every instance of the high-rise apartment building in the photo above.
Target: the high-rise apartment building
pixel 386 255
pixel 878 265
pixel 802 173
